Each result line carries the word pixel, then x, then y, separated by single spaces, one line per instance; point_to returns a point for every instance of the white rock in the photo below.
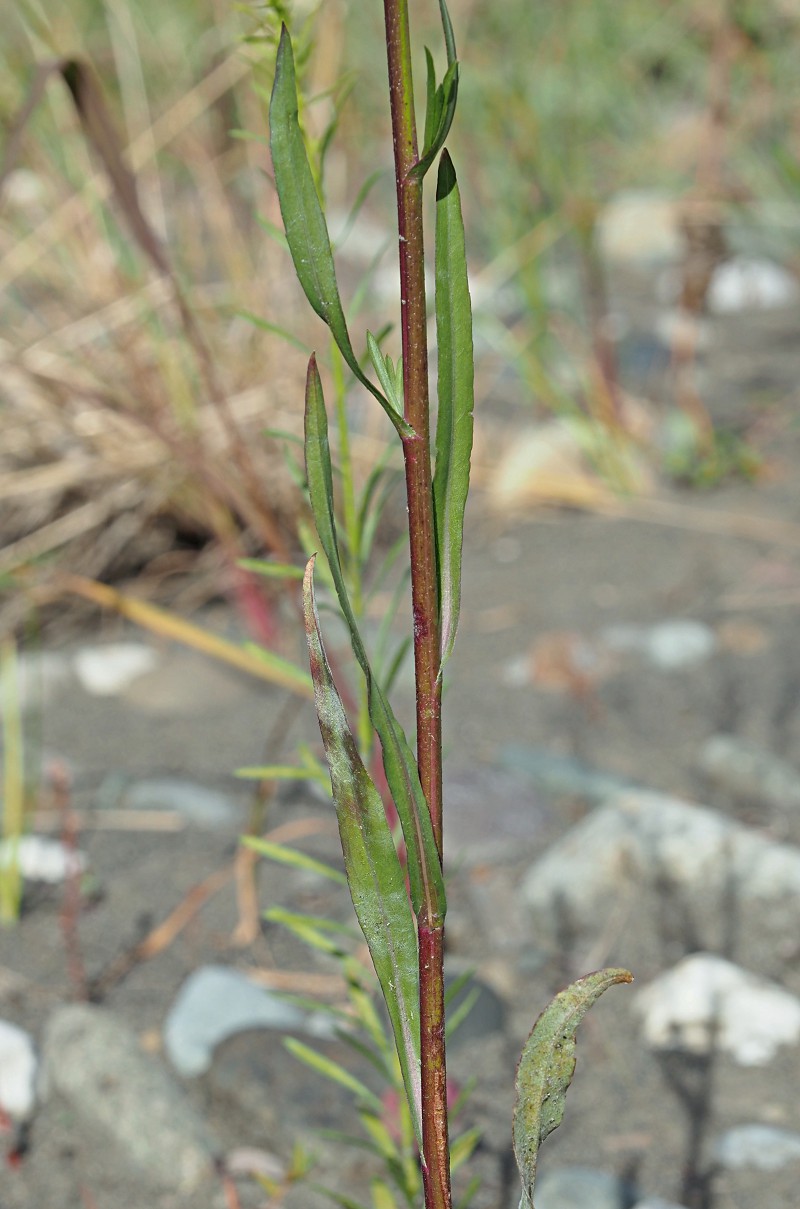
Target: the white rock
pixel 40 859
pixel 747 283
pixel 18 1065
pixel 639 838
pixel 764 1147
pixel 214 1003
pixel 24 190
pixel 106 671
pixel 642 226
pixel 706 1003
pixel 669 645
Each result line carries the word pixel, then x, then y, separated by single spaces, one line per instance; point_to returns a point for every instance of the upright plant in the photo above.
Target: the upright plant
pixel 401 910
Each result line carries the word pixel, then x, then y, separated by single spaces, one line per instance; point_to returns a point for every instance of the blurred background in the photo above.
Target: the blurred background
pixel 628 171
pixel 630 176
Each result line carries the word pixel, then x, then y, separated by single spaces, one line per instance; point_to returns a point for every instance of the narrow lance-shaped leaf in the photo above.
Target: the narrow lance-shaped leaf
pixel 456 398
pixel 546 1068
pixel 303 218
pixel 385 370
pixel 374 873
pixel 441 101
pixel 424 869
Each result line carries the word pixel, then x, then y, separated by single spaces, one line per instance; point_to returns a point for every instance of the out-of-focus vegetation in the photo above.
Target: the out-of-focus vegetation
pixel 117 438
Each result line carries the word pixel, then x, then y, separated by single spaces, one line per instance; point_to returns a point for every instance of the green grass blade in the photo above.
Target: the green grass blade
pixel 332 1070
pixel 546 1068
pixel 462 1148
pixel 309 929
pixel 424 870
pixel 374 873
pixel 382 1197
pixel 456 398
pixel 291 856
pixel 303 217
pixel 12 814
pixel 269 570
pixel 273 772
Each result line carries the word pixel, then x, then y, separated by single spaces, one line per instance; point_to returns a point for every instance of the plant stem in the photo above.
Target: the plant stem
pixel 424 587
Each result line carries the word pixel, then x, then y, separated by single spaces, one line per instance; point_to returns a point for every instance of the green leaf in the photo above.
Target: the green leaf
pixel 432 109
pixel 332 1070
pixel 290 856
pixel 374 873
pixel 546 1068
pixel 338 1198
pixel 385 370
pixel 462 1148
pixel 303 217
pixel 462 1011
pixel 382 1198
pixel 312 930
pixel 454 425
pixel 469 1194
pixel 357 205
pixel 424 869
pixel 271 570
pixel 441 101
pixel 274 772
pixel 275 328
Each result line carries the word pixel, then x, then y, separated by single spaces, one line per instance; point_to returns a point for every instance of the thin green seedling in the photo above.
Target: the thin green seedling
pixel 401 907
pixel 13 803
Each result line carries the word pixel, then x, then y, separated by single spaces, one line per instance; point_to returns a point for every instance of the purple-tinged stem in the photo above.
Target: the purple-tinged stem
pixel 424 587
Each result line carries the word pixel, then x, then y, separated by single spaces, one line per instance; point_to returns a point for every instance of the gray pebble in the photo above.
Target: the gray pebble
pixel 640 837
pixel 214 1003
pixel 203 807
pixel 119 1093
pixel 578 1188
pixel 764 1147
pixel 749 773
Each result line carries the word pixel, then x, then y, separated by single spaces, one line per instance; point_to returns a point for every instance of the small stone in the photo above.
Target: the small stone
pixel 544 465
pixel 40 859
pixel 18 1066
pixel 706 1003
pixel 24 190
pixel 763 1147
pixel 657 1202
pixel 669 645
pixel 106 671
pixel 750 773
pixel 579 1187
pixel 95 1063
pixel 215 1003
pixel 640 838
pixel 640 226
pixel 201 806
pixel 750 283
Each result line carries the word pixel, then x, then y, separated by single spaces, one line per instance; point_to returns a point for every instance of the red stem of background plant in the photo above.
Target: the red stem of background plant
pixel 424 588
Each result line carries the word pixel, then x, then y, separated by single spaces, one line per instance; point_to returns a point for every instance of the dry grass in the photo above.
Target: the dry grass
pixel 133 408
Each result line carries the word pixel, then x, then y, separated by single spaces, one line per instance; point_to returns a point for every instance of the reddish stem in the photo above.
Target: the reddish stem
pixel 424 588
